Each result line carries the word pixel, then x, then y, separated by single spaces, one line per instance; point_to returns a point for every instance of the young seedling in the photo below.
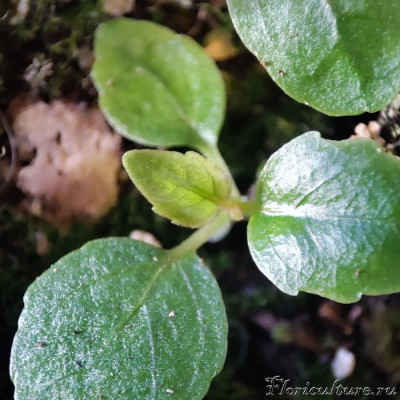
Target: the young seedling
pixel 325 220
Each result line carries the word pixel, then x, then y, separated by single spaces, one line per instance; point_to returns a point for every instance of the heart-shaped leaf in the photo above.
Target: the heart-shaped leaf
pixel 118 320
pixel 330 219
pixel 156 87
pixel 341 57
pixel 186 188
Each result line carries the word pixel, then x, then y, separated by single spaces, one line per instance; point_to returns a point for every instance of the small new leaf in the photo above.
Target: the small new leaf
pixel 341 57
pixel 156 87
pixel 330 219
pixel 186 188
pixel 118 320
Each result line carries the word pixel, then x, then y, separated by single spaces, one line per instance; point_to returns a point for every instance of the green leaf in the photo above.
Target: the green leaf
pixel 117 320
pixel 156 87
pixel 186 188
pixel 330 219
pixel 341 57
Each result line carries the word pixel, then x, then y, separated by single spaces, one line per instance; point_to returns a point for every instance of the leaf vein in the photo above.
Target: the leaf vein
pixel 158 79
pixel 199 317
pixel 152 352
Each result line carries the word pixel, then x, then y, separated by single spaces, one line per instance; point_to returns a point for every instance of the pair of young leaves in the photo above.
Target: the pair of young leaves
pixel 121 319
pixel 328 213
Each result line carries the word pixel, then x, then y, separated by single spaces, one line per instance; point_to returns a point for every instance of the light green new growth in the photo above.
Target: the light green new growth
pixel 186 188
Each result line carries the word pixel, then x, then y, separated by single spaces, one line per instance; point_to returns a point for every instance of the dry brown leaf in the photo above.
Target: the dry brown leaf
pixel 73 160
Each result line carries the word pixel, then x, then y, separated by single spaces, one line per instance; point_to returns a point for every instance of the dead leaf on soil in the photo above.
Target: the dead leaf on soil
pixel 72 157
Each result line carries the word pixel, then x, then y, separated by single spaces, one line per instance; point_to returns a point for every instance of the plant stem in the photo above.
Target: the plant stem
pixel 247 208
pixel 200 236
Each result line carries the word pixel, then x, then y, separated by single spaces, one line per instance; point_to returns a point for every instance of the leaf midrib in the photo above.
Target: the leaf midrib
pixel 127 272
pixel 184 116
pixel 184 184
pixel 146 294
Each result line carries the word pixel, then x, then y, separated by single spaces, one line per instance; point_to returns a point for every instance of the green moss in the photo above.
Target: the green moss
pixel 51 34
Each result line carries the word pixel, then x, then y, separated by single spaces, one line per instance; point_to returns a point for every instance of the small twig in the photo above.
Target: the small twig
pixel 13 148
pixel 200 19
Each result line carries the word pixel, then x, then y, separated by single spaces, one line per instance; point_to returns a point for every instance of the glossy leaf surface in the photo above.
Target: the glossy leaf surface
pixel 156 87
pixel 341 57
pixel 330 219
pixel 114 321
pixel 186 188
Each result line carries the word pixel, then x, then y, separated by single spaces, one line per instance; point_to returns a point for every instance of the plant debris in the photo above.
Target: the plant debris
pixel 71 157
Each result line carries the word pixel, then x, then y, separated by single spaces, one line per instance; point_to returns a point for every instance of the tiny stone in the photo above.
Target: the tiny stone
pixel 281 73
pixel 170 391
pixel 171 314
pixel 155 258
pixel 144 236
pixel 343 363
pixel 357 272
pixel 55 270
pixel 128 326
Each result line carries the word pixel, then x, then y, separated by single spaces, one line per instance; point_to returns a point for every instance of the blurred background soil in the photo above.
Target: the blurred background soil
pixel 62 185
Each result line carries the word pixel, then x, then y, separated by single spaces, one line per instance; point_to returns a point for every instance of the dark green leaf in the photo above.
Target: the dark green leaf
pixel 156 87
pixel 185 188
pixel 117 320
pixel 339 56
pixel 330 219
